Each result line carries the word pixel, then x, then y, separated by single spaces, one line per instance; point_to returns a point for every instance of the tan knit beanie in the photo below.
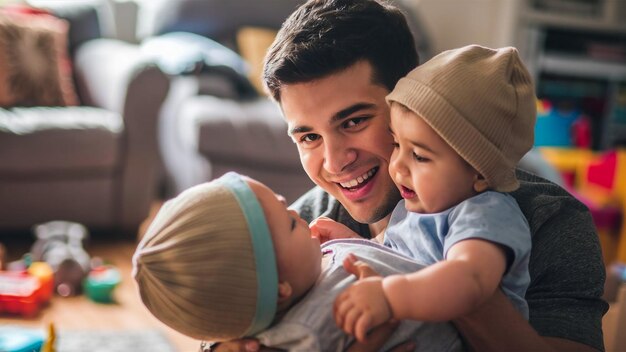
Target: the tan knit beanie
pixel 206 265
pixel 481 101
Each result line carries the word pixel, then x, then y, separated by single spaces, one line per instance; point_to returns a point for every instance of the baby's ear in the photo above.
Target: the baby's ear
pixel 480 184
pixel 284 291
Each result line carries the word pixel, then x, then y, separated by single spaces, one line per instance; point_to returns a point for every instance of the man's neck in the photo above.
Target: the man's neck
pixel 377 229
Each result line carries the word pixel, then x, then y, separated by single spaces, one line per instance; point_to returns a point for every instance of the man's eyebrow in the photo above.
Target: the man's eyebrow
pixel 342 114
pixel 299 129
pixel 338 116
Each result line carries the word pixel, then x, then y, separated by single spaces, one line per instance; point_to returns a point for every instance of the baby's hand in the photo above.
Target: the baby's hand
pixel 363 305
pixel 326 229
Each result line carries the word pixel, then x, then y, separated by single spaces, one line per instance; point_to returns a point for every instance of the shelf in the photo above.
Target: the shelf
pixel 598 16
pixel 576 51
pixel 581 67
pixel 597 24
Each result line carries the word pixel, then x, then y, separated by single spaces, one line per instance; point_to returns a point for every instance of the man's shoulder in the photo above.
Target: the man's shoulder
pixel 540 199
pixel 315 203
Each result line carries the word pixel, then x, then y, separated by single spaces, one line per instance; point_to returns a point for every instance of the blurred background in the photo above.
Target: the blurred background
pixel 110 107
pixel 211 55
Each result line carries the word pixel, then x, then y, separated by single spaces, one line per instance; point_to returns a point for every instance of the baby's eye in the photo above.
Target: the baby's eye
pixel 395 145
pixel 293 224
pixel 419 158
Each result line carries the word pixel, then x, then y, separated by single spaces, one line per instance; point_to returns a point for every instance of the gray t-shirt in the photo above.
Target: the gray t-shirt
pixel 566 269
pixel 309 325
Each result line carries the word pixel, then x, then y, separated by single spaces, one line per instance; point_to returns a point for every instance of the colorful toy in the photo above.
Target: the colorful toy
pixel 60 244
pixel 101 282
pixel 599 181
pixel 603 182
pixel 43 272
pixel 561 126
pixel 20 293
pixel 17 339
pixel 48 345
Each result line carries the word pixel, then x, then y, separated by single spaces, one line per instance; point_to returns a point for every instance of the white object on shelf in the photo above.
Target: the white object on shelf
pixel 581 67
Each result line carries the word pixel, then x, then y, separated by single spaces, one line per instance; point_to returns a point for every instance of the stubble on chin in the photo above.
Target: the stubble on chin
pixel 382 210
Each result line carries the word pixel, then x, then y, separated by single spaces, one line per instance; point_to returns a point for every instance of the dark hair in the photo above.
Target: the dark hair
pixel 323 37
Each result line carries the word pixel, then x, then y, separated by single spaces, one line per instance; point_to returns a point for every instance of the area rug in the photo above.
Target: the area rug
pixel 112 341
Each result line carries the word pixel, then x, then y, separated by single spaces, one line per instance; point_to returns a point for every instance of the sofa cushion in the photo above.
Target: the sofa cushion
pixel 252 133
pixel 180 53
pixel 253 43
pixel 56 140
pixel 216 19
pixel 34 66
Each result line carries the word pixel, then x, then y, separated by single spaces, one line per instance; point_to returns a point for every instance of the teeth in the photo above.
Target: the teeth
pixel 357 181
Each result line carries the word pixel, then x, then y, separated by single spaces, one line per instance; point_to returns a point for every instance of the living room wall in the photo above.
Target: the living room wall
pixel 455 23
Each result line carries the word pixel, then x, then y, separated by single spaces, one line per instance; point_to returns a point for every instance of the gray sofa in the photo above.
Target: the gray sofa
pixel 98 163
pixel 211 122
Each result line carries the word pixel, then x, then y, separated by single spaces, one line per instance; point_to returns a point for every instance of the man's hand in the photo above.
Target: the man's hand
pixel 363 305
pixel 326 229
pixel 242 345
pixel 377 338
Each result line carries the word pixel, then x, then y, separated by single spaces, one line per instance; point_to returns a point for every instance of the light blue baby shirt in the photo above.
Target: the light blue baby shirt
pixel 490 216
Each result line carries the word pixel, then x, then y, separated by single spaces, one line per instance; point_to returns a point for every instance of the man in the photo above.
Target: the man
pixel 330 68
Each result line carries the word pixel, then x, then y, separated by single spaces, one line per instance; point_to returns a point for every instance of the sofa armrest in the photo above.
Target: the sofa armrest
pixel 104 68
pixel 116 76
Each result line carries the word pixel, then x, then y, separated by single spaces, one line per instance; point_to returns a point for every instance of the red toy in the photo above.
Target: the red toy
pixel 20 293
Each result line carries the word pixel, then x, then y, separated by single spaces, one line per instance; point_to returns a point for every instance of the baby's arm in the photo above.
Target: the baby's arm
pixel 327 229
pixel 443 291
pixel 450 288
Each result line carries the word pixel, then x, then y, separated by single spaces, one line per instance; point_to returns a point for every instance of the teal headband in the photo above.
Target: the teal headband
pixel 264 257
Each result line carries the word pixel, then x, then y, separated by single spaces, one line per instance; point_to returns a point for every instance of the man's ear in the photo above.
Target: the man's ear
pixel 284 291
pixel 480 184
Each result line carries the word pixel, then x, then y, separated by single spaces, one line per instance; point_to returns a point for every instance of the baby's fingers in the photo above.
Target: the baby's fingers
pixel 350 319
pixel 340 308
pixel 362 327
pixel 358 268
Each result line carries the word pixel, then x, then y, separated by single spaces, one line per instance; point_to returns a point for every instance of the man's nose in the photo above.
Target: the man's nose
pixel 337 155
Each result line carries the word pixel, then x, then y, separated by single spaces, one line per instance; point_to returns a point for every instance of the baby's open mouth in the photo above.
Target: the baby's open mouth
pixel 407 193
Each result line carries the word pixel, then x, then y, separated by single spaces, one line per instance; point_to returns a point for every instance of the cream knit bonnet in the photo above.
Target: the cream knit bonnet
pixel 206 265
pixel 481 101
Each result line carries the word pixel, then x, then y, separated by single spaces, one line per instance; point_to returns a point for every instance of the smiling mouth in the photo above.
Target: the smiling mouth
pixel 407 193
pixel 359 181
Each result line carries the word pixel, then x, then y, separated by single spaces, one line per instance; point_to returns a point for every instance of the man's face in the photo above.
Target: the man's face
pixel 340 125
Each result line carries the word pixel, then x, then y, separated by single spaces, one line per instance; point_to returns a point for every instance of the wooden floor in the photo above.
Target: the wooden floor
pixel 128 313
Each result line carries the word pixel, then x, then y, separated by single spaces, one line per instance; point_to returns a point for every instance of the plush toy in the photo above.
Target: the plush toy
pixel 60 244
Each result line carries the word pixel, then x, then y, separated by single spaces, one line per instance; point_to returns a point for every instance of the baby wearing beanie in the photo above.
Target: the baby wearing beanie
pixel 227 259
pixel 460 123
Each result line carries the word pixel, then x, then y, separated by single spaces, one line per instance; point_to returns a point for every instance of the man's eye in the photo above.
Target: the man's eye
pixel 308 138
pixel 396 145
pixel 419 158
pixel 354 122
